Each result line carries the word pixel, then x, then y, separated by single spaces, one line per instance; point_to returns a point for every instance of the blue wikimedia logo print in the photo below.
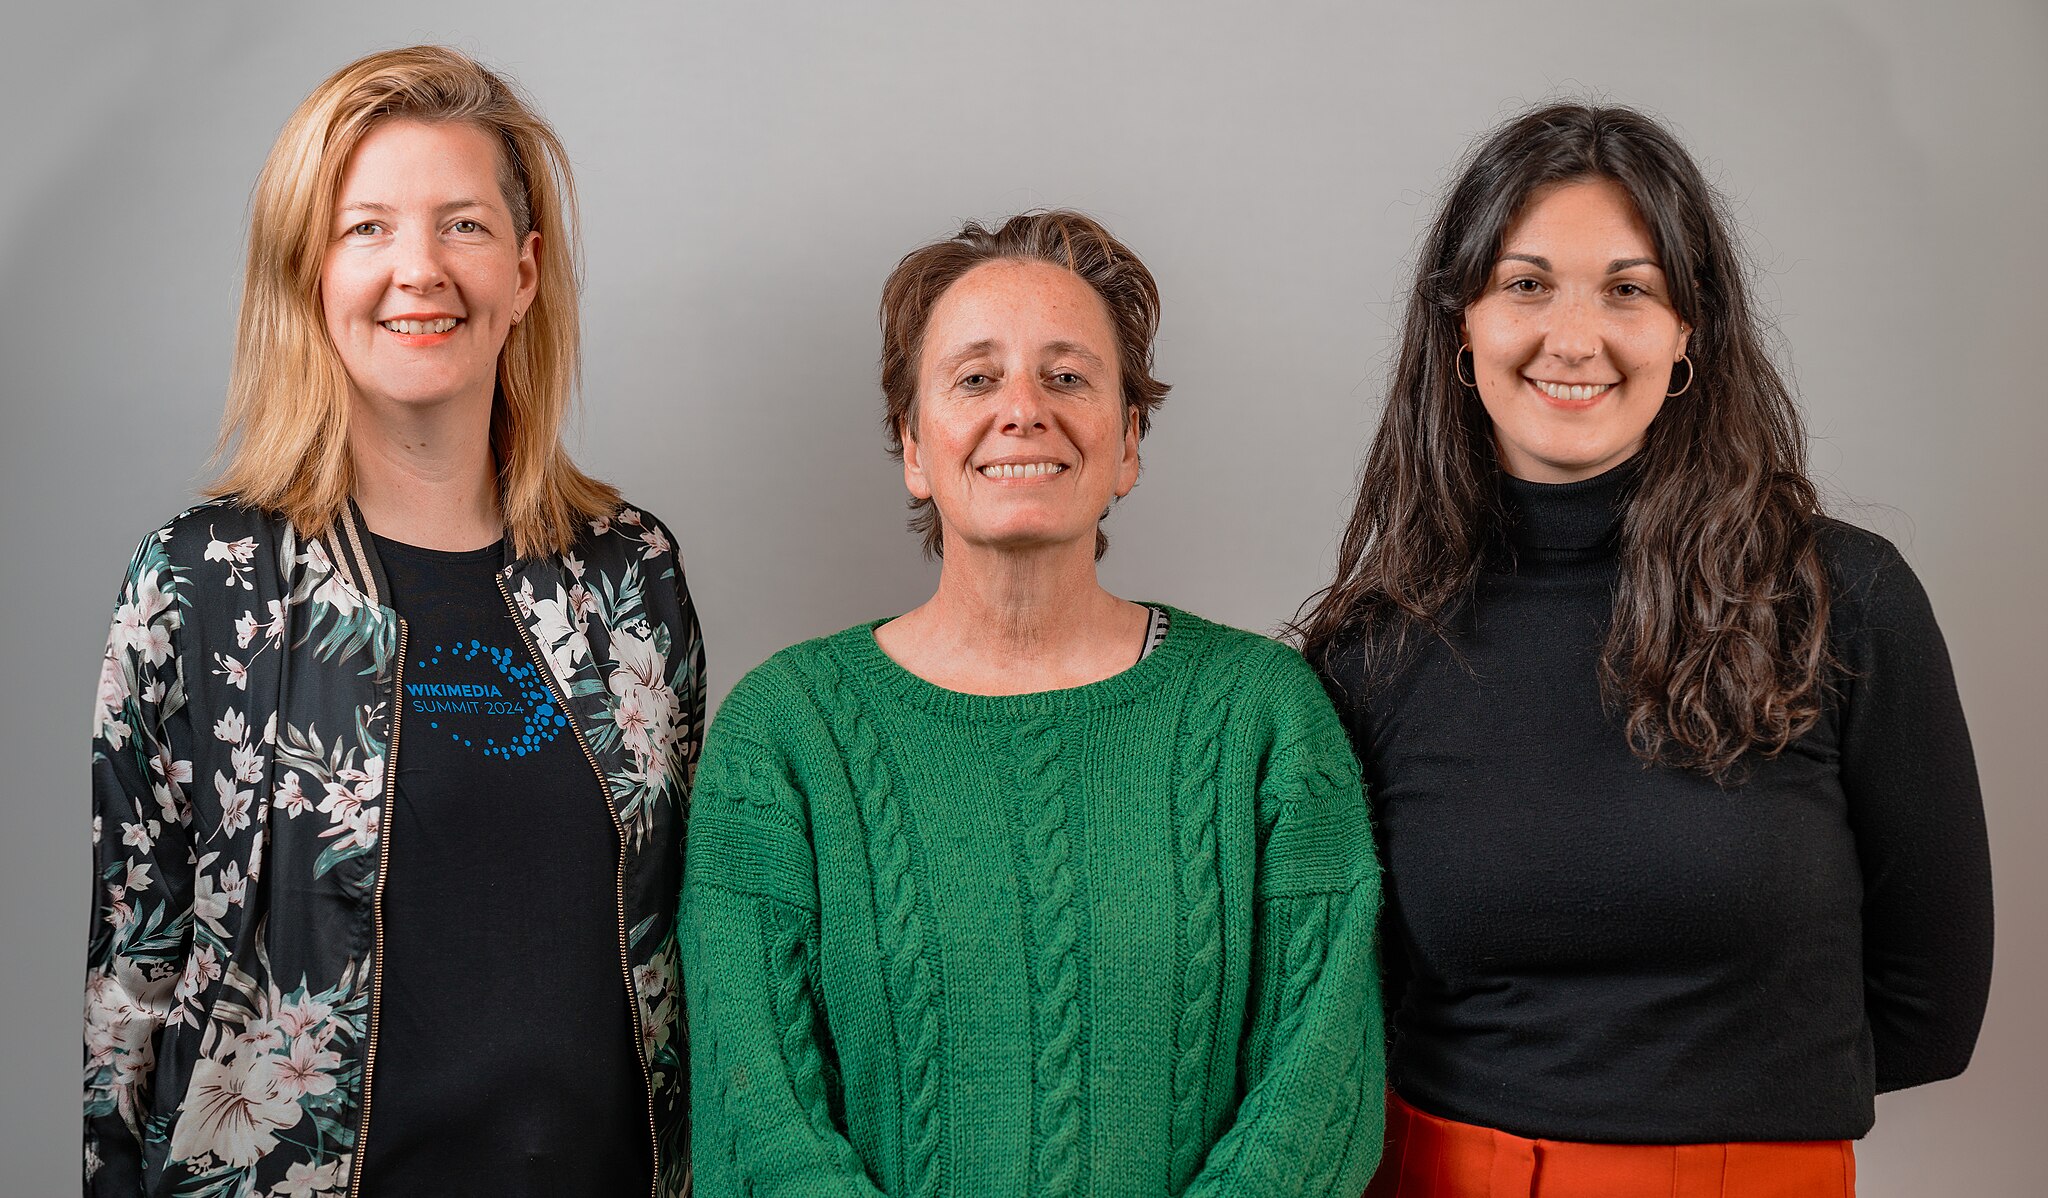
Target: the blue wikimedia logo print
pixel 485 698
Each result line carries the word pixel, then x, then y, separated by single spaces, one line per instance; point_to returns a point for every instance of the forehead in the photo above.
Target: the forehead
pixel 1589 218
pixel 403 158
pixel 1020 305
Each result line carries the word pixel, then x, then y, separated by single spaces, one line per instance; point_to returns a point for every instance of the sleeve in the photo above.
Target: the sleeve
pixel 142 868
pixel 761 1115
pixel 690 683
pixel 1313 1060
pixel 1342 671
pixel 1914 806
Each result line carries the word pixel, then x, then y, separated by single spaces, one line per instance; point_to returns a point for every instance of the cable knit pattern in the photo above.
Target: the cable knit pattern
pixel 911 987
pixel 762 790
pixel 789 961
pixel 713 1080
pixel 1056 984
pixel 1030 930
pixel 1201 899
pixel 1303 966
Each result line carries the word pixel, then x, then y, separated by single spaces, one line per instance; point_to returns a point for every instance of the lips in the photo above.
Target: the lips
pixel 1569 396
pixel 1573 392
pixel 1020 471
pixel 418 330
pixel 414 328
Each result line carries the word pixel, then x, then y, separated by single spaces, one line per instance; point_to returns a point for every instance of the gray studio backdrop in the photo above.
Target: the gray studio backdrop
pixel 751 172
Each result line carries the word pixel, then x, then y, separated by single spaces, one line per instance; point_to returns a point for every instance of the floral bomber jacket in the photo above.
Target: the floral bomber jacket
pixel 244 738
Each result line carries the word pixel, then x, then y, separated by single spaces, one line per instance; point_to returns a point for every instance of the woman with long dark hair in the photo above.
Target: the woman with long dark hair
pixel 1685 854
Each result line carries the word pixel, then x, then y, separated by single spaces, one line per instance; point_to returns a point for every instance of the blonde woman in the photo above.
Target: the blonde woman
pixel 320 962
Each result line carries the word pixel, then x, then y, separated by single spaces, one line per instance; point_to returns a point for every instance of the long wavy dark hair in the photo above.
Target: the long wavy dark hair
pixel 1718 643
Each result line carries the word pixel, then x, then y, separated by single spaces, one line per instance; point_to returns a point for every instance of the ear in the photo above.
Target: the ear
pixel 914 480
pixel 529 273
pixel 1127 469
pixel 1684 340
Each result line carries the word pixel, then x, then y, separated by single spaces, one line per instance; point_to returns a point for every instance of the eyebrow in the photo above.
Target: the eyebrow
pixel 1614 267
pixel 1075 350
pixel 386 209
pixel 987 345
pixel 952 361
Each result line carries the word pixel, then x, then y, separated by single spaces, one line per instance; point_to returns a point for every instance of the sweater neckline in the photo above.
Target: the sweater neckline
pixel 865 656
pixel 1567 517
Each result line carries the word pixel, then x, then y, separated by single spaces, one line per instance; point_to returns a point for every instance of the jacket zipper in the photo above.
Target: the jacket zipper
pixel 355 1176
pixel 619 881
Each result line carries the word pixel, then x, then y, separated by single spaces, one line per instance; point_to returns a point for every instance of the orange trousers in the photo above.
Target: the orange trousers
pixel 1428 1157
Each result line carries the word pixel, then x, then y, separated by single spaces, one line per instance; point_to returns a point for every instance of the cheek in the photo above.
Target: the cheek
pixel 1500 343
pixel 346 298
pixel 944 446
pixel 489 275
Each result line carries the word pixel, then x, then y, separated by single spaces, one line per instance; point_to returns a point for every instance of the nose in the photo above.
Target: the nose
pixel 418 267
pixel 1023 406
pixel 1574 334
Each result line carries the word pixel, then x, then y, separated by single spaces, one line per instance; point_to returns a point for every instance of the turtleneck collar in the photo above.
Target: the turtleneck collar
pixel 1567 517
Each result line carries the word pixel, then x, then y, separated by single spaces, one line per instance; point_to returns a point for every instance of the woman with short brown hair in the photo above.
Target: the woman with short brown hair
pixel 1031 890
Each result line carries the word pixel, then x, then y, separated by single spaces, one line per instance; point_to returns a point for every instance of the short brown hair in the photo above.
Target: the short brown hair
pixel 288 398
pixel 1061 237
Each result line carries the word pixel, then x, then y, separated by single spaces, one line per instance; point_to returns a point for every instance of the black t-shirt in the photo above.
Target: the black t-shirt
pixel 505 1058
pixel 1582 948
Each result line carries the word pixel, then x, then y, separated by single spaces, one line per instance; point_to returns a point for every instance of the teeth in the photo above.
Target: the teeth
pixel 1022 470
pixel 416 327
pixel 1564 391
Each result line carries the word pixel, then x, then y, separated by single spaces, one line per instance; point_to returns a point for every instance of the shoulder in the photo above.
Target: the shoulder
pixel 791 693
pixel 1308 800
pixel 1253 657
pixel 217 541
pixel 216 529
pixel 628 535
pixel 1871 584
pixel 1263 678
pixel 1857 559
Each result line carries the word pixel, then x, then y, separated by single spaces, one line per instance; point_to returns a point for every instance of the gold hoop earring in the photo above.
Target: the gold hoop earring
pixel 1687 359
pixel 1458 360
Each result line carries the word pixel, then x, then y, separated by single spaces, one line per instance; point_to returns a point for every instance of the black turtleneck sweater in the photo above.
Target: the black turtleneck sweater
pixel 1580 947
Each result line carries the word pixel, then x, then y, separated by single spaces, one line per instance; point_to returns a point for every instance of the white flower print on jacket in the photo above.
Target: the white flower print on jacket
pixel 209 770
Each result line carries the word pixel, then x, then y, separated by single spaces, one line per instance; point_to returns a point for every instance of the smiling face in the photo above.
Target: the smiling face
pixel 1020 435
pixel 424 272
pixel 1574 339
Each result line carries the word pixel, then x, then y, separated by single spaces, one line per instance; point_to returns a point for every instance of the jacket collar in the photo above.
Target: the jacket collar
pixel 354 553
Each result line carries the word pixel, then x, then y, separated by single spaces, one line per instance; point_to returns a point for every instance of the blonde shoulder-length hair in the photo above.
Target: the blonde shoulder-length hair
pixel 288 397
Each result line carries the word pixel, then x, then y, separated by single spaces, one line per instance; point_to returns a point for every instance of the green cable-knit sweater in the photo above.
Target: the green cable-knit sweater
pixel 1111 940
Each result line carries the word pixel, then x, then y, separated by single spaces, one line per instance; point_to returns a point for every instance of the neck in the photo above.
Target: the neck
pixel 1571 517
pixel 1012 622
pixel 425 477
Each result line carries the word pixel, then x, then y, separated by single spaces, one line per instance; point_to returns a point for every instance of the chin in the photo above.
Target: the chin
pixel 1582 466
pixel 417 395
pixel 1022 537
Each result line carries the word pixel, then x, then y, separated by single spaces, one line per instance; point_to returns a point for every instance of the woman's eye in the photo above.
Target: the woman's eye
pixel 1628 290
pixel 368 228
pixel 467 226
pixel 1525 286
pixel 975 381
